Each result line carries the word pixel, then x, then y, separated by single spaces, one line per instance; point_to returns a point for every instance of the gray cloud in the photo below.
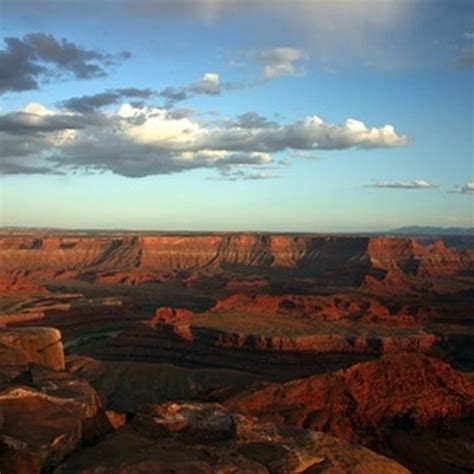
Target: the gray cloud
pixel 174 95
pixel 467 188
pixel 415 184
pixel 16 146
pixel 144 141
pixel 7 168
pixel 183 112
pixel 27 122
pixel 90 103
pixel 38 56
pixel 241 175
pixel 134 160
pixel 252 120
pixel 279 62
pixel 209 84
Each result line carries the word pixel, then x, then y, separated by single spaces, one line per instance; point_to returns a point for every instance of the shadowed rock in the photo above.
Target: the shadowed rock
pixel 205 438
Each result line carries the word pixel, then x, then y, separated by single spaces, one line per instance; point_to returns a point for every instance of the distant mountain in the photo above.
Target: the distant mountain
pixel 432 231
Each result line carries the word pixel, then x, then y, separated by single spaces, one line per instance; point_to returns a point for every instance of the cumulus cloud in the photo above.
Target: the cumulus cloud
pixel 25 61
pixel 279 62
pixel 467 188
pixel 140 141
pixel 415 184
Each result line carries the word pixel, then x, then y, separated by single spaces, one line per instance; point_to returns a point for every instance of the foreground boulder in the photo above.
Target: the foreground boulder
pixel 39 345
pixel 206 438
pixel 46 414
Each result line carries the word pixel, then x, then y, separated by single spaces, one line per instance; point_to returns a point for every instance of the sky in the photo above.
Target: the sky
pixel 236 115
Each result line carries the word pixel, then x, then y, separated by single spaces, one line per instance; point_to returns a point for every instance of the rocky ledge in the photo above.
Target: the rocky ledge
pixel 263 340
pixel 206 438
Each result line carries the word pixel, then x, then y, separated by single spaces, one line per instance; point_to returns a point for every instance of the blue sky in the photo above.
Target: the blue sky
pixel 237 115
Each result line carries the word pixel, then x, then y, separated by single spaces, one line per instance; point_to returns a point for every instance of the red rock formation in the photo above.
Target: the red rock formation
pixel 76 318
pixel 360 403
pixel 117 420
pixel 170 316
pixel 136 259
pixel 205 438
pixel 392 282
pixel 17 283
pixel 415 409
pixel 410 257
pixel 275 345
pixel 318 308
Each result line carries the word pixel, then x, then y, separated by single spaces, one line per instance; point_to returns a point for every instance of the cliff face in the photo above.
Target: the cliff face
pixel 63 257
pixel 413 258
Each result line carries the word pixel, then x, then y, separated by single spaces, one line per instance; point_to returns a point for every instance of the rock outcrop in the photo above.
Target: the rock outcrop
pixel 273 346
pixel 369 402
pixel 206 438
pixel 74 319
pixel 46 413
pixel 335 307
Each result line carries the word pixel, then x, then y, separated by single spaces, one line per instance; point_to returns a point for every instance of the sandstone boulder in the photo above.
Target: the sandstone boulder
pixel 46 413
pixel 38 345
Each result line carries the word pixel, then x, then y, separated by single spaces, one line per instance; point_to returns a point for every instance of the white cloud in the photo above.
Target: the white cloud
pixel 467 188
pixel 415 184
pixel 279 62
pixel 154 126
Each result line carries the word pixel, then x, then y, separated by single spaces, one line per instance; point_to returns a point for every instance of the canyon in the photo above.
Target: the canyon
pixel 235 353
